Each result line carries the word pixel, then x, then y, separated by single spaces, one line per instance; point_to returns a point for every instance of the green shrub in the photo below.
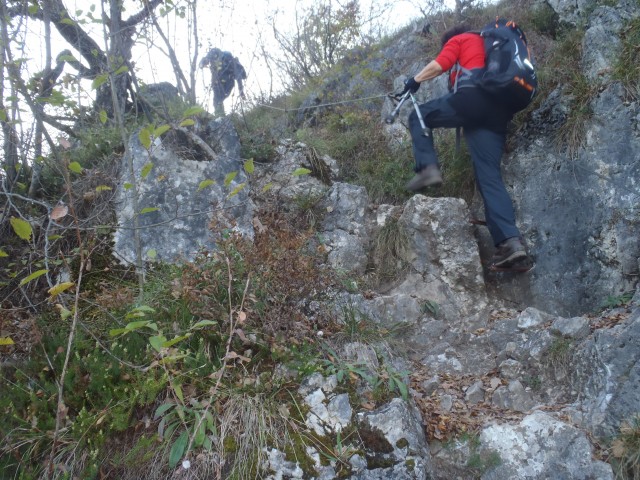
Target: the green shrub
pixel 544 20
pixel 101 395
pixel 615 301
pixel 261 128
pixel 355 139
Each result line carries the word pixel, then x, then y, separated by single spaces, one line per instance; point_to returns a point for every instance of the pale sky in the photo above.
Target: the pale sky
pixel 240 26
pixel 243 27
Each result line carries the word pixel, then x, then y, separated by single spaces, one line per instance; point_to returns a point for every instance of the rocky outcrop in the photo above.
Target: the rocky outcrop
pixel 577 206
pixel 541 447
pixel 344 227
pixel 392 435
pixel 183 202
pixel 539 377
pixel 390 441
pixel 606 373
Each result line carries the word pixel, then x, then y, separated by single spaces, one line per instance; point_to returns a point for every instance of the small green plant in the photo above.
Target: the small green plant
pixel 396 380
pixel 457 168
pixel 178 423
pixel 354 322
pixel 615 301
pixel 306 204
pixel 347 282
pixel 480 460
pixel 341 452
pixel 625 450
pixel 258 136
pixel 484 462
pixel 534 382
pixel 572 133
pixel 345 371
pixel 431 307
pixel 559 355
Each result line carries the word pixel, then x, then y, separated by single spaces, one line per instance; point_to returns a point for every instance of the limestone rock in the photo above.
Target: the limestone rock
pixel 513 397
pixel 576 328
pixel 607 373
pixel 541 447
pixel 393 435
pixel 177 216
pixel 344 228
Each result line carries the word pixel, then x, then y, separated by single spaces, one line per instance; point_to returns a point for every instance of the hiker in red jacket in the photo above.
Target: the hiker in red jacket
pixel 484 121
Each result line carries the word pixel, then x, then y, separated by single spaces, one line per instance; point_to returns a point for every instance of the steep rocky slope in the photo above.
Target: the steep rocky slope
pixel 521 360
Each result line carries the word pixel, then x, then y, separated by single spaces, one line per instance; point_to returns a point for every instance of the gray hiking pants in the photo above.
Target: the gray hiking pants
pixel 484 125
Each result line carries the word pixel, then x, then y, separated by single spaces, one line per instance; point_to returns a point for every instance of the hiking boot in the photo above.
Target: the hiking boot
pixel 428 176
pixel 508 252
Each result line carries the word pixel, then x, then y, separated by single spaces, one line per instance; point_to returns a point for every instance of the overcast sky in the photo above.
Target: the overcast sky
pixel 240 26
pixel 244 27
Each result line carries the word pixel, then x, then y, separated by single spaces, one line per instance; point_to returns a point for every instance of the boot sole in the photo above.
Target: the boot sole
pixel 511 258
pixel 424 184
pixel 515 268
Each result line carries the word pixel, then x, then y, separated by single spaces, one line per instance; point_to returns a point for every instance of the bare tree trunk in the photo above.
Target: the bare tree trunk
pixel 194 58
pixel 118 111
pixel 186 89
pixel 119 50
pixel 36 168
pixel 10 136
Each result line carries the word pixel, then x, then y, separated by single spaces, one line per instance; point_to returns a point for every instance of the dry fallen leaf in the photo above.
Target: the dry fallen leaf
pixel 283 410
pixel 257 224
pixel 60 211
pixel 618 449
pixel 64 143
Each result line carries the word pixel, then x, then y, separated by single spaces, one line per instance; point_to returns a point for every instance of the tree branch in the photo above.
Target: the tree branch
pixel 142 14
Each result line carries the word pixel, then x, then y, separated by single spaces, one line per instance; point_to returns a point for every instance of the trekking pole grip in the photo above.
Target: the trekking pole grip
pixel 391 117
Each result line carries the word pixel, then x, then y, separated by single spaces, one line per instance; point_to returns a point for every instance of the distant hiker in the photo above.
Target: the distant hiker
pixel 226 70
pixel 484 118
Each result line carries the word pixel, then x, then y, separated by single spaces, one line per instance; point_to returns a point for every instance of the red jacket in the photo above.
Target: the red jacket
pixel 466 48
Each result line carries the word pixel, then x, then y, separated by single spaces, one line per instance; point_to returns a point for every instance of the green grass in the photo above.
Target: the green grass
pixel 625 450
pixel 559 356
pixel 456 165
pixel 627 66
pixel 135 352
pixel 390 251
pixel 354 138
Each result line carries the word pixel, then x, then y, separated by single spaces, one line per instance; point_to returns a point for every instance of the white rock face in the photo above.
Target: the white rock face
pixel 541 447
pixel 178 201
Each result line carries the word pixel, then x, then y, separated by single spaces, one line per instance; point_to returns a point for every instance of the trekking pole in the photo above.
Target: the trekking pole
pixel 392 116
pixel 426 131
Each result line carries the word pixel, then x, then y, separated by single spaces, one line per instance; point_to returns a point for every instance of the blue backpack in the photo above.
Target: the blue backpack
pixel 509 74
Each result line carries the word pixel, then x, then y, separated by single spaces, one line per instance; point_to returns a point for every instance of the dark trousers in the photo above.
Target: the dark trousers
pixel 484 125
pixel 218 100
